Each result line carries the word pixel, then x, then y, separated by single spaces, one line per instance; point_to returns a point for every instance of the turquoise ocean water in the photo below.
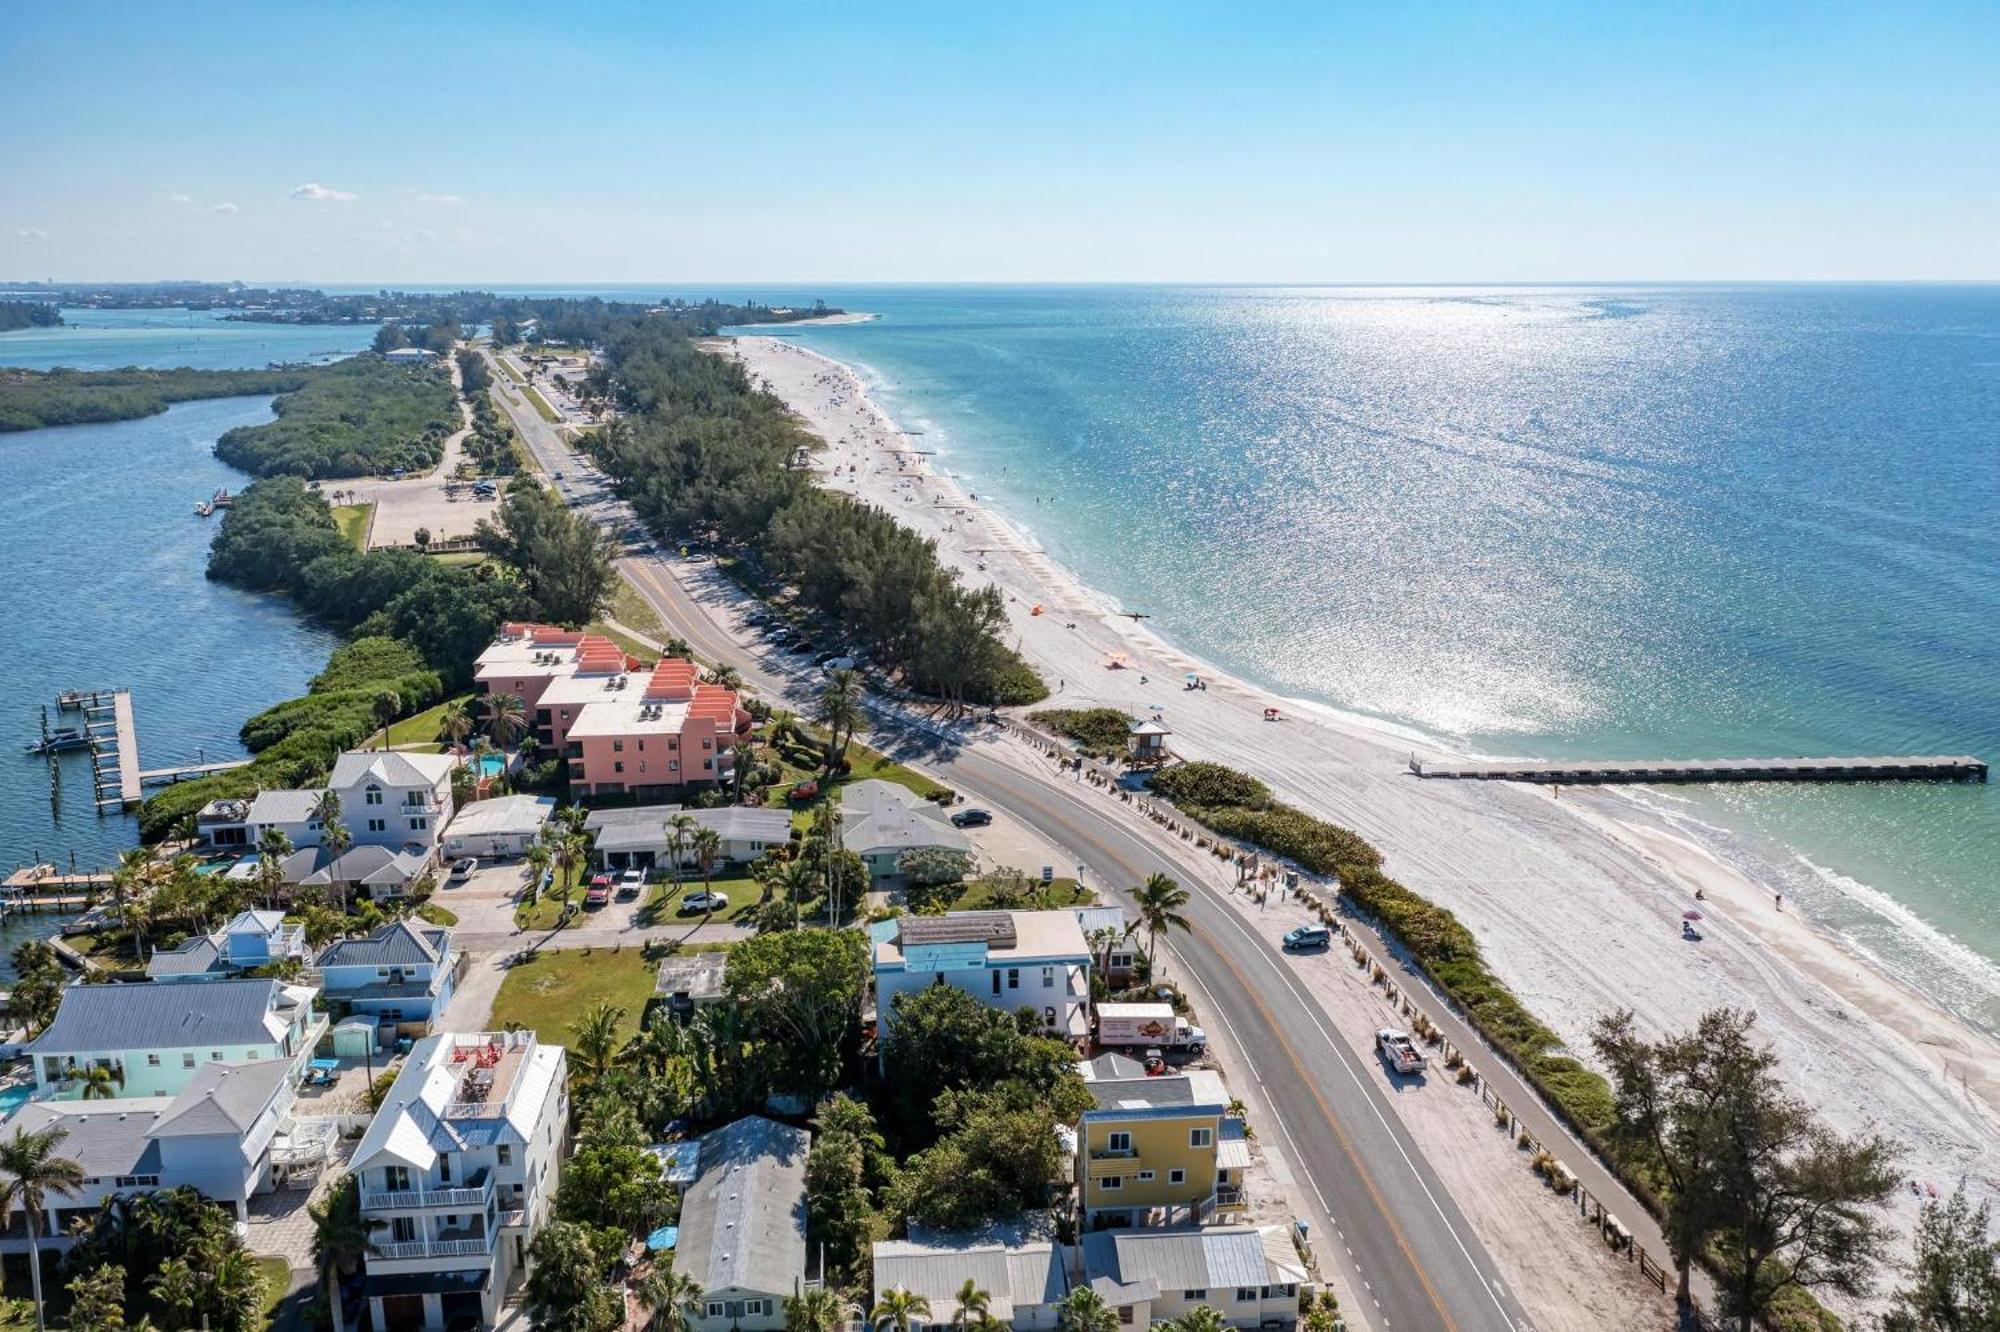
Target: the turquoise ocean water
pixel 1635 521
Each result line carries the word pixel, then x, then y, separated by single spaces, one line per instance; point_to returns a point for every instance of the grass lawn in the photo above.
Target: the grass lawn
pixel 277 1276
pixel 661 906
pixel 550 992
pixel 541 405
pixel 353 521
pixel 420 729
pixel 508 366
pixel 461 558
pixel 635 612
pixel 110 947
pixel 437 915
pixel 978 894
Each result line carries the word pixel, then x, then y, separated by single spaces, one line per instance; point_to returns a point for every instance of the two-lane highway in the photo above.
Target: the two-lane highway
pixel 1405 1247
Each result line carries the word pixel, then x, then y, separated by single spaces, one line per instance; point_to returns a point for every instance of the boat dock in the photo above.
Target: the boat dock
pixel 185 771
pixel 1888 768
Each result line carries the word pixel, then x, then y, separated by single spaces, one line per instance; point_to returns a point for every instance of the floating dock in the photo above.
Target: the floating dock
pixel 1888 768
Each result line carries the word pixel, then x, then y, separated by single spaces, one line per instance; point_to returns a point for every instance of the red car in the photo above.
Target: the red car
pixel 600 891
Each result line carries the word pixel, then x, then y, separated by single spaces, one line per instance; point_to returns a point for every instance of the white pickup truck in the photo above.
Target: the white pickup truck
pixel 1148 1025
pixel 1399 1050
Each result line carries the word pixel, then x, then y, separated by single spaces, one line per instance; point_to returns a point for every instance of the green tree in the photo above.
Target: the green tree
pixel 594 1038
pixel 100 1082
pixel 801 991
pixel 30 1173
pixel 1955 1277
pixel 38 984
pixel 818 1310
pixel 1084 1310
pixel 838 708
pixel 506 718
pixel 897 1309
pixel 671 1298
pixel 97 1299
pixel 972 1306
pixel 562 557
pixel 1161 903
pixel 1201 1318
pixel 566 1282
pixel 273 849
pixel 615 1184
pixel 707 850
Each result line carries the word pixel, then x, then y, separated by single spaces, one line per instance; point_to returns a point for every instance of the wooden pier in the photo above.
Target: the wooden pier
pixel 1887 768
pixel 189 770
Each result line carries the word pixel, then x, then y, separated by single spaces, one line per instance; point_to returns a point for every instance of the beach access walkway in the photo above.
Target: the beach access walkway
pixel 1880 768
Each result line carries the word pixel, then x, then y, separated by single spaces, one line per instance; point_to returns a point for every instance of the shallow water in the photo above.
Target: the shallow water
pixel 1637 522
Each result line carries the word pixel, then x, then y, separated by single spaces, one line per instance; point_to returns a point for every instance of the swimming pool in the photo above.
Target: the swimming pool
pixel 490 765
pixel 12 1098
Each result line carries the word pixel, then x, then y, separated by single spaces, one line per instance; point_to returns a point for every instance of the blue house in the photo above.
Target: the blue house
pixel 253 939
pixel 402 975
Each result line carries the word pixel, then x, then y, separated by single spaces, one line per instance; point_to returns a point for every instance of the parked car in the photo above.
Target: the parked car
pixel 703 902
pixel 832 664
pixel 599 893
pixel 461 870
pixel 971 818
pixel 630 882
pixel 1308 938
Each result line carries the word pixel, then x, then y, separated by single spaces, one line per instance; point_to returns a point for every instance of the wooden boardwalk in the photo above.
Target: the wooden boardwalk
pixel 1882 768
pixel 188 770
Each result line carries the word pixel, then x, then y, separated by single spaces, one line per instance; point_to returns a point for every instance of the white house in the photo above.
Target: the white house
pixel 456 1172
pixel 638 837
pixel 156 1037
pixel 1008 960
pixel 1251 1275
pixel 401 975
pixel 253 939
pixel 1024 1280
pixel 388 797
pixel 230 1133
pixel 501 826
pixel 881 820
pixel 743 1226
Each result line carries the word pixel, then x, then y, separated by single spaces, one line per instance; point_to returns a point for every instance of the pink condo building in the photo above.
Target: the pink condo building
pixel 623 730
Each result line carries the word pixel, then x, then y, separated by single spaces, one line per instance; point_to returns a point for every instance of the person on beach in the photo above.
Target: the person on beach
pixel 1780 898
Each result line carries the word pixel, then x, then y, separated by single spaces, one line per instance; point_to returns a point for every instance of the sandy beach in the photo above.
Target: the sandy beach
pixel 1576 901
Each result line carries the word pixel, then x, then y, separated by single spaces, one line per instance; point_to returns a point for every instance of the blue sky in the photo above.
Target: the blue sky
pixel 999 142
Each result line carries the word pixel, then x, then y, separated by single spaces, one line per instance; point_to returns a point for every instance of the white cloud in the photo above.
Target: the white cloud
pixel 225 207
pixel 180 198
pixel 32 233
pixel 314 192
pixel 442 198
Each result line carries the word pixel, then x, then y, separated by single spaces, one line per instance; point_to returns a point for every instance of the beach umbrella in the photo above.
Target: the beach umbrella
pixel 1690 915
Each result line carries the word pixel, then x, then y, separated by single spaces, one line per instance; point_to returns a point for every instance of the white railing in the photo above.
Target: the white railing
pixel 406 1199
pixel 435 1249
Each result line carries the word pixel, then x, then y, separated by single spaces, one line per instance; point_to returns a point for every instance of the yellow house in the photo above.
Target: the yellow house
pixel 1147 1151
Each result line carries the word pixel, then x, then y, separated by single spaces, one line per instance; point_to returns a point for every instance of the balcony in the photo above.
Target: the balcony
pixel 475 1247
pixel 488 1066
pixel 473 1195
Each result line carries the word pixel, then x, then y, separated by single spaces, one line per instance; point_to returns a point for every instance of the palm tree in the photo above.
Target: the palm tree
pixel 100 1082
pixel 30 1171
pixel 538 858
pixel 838 708
pixel 326 808
pixel 129 883
pixel 1084 1310
pixel 897 1308
pixel 670 1297
pixel 707 850
pixel 456 723
pixel 1160 900
pixel 570 853
pixel 335 838
pixel 388 707
pixel 272 849
pixel 594 1037
pixel 680 830
pixel 506 718
pixel 727 676
pixel 818 1310
pixel 1201 1318
pixel 973 1304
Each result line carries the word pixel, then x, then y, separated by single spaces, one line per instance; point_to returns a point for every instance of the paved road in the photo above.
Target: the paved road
pixel 1400 1240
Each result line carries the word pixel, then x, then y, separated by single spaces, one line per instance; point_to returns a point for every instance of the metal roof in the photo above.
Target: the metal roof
pixel 644 827
pixel 502 815
pixel 743 1222
pixel 98 1018
pixel 391 767
pixel 289 806
pixel 195 956
pixel 1015 1277
pixel 1208 1258
pixel 399 943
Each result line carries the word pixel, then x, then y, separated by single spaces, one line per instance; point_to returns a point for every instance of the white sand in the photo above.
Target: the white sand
pixel 1576 901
